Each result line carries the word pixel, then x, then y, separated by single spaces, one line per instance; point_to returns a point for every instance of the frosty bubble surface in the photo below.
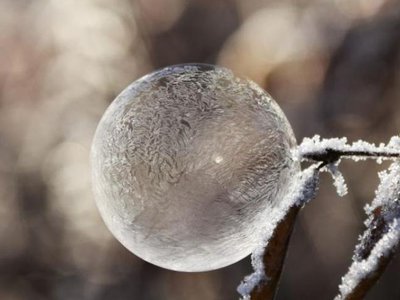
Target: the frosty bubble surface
pixel 188 163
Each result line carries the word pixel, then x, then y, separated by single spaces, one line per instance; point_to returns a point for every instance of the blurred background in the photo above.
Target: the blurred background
pixel 333 67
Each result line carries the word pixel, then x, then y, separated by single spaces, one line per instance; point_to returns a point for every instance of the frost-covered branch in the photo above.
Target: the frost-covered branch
pixel 271 252
pixel 329 151
pixel 379 241
pixel 376 245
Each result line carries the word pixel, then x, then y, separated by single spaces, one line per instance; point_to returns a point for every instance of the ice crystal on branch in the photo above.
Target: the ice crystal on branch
pixel 331 150
pixel 379 240
pixel 302 191
pixel 381 237
pixel 338 179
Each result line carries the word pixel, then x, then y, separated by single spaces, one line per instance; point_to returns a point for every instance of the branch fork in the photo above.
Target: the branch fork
pixel 379 240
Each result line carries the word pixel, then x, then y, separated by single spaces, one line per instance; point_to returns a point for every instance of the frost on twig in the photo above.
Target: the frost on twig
pixel 338 179
pixel 262 283
pixel 379 240
pixel 331 150
pixel 383 225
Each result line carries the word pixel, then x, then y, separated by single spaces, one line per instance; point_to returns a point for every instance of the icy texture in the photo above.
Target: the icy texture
pixel 338 179
pixel 318 145
pixel 188 164
pixel 388 191
pixel 388 202
pixel 361 269
pixel 360 150
pixel 302 190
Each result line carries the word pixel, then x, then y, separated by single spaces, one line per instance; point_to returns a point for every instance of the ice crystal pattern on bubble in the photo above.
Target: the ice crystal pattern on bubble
pixel 188 164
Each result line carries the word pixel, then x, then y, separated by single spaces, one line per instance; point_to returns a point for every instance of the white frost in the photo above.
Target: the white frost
pixel 319 146
pixel 302 191
pixel 360 269
pixel 387 199
pixel 389 189
pixel 338 179
pixel 315 146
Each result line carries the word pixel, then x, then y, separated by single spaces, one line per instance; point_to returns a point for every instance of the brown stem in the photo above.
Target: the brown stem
pixel 275 251
pixel 274 257
pixel 363 287
pixel 382 221
pixel 330 155
pixel 376 231
pixel 377 228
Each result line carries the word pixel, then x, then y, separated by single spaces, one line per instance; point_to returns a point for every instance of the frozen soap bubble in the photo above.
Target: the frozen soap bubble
pixel 188 164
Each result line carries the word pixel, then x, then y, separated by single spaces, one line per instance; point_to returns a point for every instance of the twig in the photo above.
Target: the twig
pixel 269 258
pixel 274 257
pixel 382 235
pixel 333 155
pixel 268 262
pixel 379 241
pixel 329 151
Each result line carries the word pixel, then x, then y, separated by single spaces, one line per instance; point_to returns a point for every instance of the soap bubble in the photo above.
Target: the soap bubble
pixel 188 164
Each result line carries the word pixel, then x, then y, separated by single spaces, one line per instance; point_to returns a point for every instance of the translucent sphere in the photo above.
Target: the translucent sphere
pixel 188 164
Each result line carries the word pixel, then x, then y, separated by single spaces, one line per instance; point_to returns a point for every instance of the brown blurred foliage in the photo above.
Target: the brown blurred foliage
pixel 333 66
